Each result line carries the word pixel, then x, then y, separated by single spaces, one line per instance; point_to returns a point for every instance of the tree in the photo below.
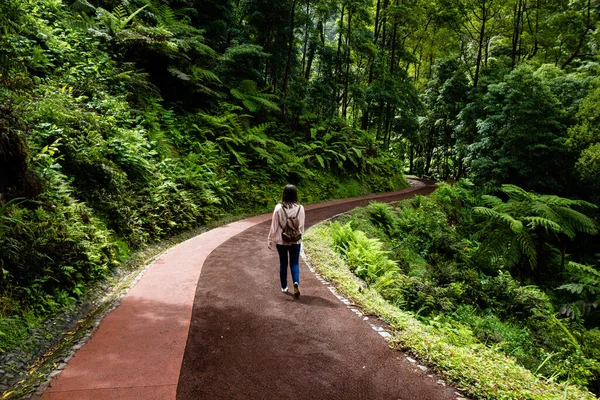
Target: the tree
pixel 444 98
pixel 584 139
pixel 520 139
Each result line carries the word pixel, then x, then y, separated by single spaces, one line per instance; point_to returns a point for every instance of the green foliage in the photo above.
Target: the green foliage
pixel 15 329
pixel 420 224
pixel 516 230
pixel 381 216
pixel 585 283
pixel 241 62
pixel 364 256
pixel 519 138
pixel 456 201
pixel 252 99
pixel 452 347
pixel 437 246
pixel 584 139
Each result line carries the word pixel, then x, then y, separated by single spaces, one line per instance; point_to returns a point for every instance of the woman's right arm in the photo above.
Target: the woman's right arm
pixel 273 230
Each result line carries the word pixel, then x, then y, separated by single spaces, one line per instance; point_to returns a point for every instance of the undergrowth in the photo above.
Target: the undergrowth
pixel 486 273
pixel 453 350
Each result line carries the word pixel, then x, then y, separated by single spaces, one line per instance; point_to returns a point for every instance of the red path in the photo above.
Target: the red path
pixel 233 335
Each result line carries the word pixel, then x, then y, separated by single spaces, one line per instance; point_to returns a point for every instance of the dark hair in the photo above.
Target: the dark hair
pixel 289 196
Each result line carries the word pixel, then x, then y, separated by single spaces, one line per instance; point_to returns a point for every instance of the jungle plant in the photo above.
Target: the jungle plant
pixel 585 284
pixel 252 99
pixel 528 226
pixel 363 255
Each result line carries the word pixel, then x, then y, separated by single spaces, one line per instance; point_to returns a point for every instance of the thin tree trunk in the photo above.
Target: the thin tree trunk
pixel 393 57
pixel 384 24
pixel 481 40
pixel 377 22
pixel 338 66
pixel 288 65
pixel 305 46
pixel 365 117
pixel 311 53
pixel 515 33
pixel 347 79
pixel 582 38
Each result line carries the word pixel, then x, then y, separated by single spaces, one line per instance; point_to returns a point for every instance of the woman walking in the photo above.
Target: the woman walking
pixel 287 227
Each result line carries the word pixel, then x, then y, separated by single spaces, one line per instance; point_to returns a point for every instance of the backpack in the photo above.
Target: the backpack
pixel 291 230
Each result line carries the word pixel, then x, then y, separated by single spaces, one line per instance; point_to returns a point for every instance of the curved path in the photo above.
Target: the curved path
pixel 233 335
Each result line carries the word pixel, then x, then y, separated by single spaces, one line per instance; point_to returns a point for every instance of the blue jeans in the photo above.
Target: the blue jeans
pixel 294 253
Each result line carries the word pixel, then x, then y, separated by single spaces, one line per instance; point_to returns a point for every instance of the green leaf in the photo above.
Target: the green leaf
pixel 320 159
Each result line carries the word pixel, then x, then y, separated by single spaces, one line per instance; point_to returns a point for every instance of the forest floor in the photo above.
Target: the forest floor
pixel 207 320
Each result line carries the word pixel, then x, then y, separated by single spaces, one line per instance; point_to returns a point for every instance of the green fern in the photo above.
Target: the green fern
pixel 515 229
pixel 585 280
pixel 254 100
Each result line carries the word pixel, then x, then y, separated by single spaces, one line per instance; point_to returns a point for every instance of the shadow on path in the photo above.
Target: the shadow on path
pixel 248 340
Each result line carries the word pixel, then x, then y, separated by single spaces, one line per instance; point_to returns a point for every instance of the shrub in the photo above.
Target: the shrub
pixel 363 255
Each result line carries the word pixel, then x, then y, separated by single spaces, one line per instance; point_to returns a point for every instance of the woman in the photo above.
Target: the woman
pixel 287 227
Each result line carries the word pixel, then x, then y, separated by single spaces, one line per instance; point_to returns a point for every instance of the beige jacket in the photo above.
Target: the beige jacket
pixel 278 221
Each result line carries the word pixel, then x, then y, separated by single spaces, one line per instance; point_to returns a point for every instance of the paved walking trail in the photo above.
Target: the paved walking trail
pixel 229 333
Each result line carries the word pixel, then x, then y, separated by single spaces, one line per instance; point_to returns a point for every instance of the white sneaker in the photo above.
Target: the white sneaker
pixel 284 290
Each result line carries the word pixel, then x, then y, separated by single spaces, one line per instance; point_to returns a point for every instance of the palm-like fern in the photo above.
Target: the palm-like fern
pixel 154 26
pixel 333 149
pixel 117 20
pixel 253 99
pixel 585 283
pixel 516 228
pixel 248 145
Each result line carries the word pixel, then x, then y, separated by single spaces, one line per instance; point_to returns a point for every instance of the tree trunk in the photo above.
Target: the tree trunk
pixel 288 65
pixel 311 53
pixel 365 117
pixel 534 32
pixel 306 34
pixel 411 162
pixel 582 38
pixel 484 17
pixel 338 62
pixel 347 79
pixel 393 56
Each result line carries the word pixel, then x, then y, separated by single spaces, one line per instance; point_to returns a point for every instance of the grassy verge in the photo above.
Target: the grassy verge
pixel 472 367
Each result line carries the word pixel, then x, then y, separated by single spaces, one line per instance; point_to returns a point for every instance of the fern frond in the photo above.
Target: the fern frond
pixel 575 288
pixel 577 221
pixel 545 223
pixel 491 201
pixel 253 99
pixel 527 246
pixel 125 21
pixel 205 74
pixel 265 101
pixel 119 12
pixel 178 74
pixel 517 194
pixel 251 105
pixel 514 224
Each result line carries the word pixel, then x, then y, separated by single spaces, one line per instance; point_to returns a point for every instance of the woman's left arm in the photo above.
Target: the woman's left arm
pixel 301 218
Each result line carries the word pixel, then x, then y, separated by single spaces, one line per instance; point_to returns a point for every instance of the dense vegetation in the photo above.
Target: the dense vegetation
pixel 120 125
pixel 126 121
pixel 483 271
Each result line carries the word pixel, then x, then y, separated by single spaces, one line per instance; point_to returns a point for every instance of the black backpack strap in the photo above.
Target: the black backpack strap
pixel 298 212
